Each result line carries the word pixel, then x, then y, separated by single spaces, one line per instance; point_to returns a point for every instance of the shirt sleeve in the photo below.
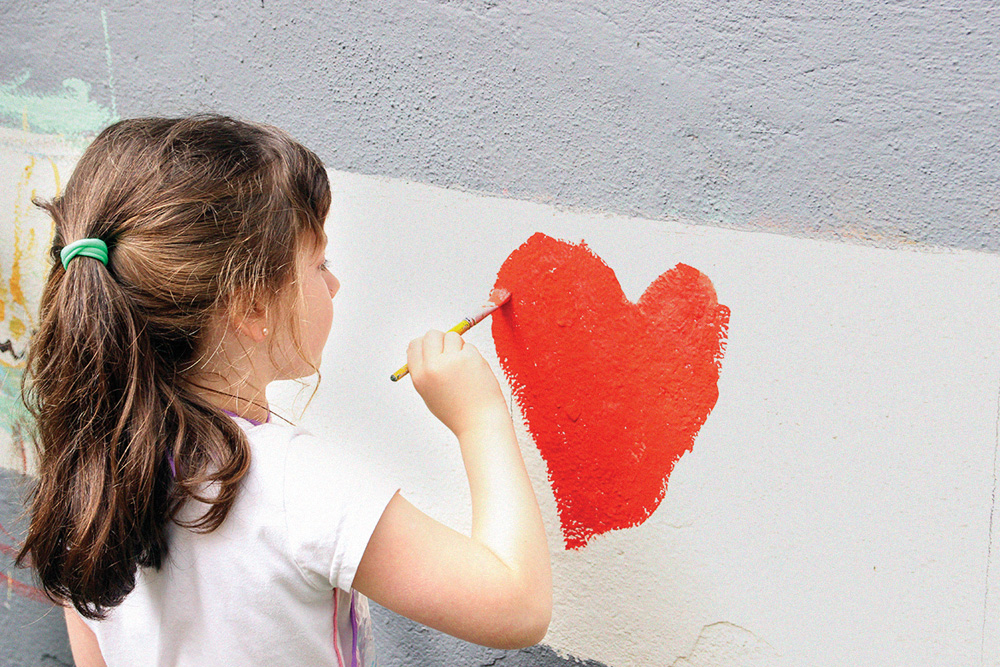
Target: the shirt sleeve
pixel 333 502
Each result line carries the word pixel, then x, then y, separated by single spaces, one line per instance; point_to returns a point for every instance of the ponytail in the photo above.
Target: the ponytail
pixel 123 439
pixel 113 428
pixel 102 479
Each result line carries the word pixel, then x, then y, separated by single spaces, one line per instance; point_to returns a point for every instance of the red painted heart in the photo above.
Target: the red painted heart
pixel 613 392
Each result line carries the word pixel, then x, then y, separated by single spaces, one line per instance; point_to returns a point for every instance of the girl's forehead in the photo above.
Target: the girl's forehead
pixel 319 244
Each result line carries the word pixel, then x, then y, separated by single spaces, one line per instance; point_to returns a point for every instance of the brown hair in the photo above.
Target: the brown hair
pixel 202 216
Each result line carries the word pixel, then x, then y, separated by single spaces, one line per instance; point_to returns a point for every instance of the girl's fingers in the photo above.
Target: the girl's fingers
pixel 433 345
pixel 414 355
pixel 452 342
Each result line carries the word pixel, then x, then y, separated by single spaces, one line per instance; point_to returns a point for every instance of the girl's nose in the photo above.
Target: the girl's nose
pixel 332 284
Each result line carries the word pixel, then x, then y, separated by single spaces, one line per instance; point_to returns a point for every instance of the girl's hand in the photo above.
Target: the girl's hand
pixel 455 382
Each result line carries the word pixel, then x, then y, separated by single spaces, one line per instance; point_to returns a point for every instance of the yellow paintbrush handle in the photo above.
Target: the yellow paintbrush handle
pixel 402 372
pixel 461 327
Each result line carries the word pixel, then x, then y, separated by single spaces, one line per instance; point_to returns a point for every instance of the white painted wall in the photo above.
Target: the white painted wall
pixel 837 506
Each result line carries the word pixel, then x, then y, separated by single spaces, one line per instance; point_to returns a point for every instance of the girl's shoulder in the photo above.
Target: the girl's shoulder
pixel 271 429
pixel 272 432
pixel 298 451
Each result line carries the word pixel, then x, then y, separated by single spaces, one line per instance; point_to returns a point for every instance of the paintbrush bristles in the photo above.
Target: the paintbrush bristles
pixel 500 296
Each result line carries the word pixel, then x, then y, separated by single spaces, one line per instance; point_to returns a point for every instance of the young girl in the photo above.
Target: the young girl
pixel 176 521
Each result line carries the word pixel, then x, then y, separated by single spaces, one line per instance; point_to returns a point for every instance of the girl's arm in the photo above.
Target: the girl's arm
pixel 82 641
pixel 493 587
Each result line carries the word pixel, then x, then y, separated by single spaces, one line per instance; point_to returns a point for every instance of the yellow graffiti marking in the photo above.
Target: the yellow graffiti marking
pixel 55 172
pixel 15 270
pixel 14 294
pixel 17 327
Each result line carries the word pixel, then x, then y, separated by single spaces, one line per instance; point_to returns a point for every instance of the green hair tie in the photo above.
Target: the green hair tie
pixel 93 248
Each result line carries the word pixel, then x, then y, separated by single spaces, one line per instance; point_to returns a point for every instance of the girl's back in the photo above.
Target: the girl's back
pixel 257 590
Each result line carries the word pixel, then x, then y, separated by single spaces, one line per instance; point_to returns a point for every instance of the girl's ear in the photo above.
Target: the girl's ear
pixel 252 323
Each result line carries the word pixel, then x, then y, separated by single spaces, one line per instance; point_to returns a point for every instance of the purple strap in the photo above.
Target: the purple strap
pixel 252 421
pixel 354 630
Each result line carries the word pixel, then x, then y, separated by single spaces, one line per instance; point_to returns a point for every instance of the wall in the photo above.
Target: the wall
pixel 832 170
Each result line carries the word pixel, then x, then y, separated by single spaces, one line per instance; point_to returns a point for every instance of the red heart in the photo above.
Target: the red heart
pixel 613 392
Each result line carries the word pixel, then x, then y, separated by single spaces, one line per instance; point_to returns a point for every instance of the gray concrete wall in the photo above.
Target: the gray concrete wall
pixel 871 122
pixel 32 631
pixel 872 119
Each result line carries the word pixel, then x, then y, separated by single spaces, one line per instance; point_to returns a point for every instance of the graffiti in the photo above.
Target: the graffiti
pixel 12 585
pixel 69 112
pixel 32 166
pixel 45 135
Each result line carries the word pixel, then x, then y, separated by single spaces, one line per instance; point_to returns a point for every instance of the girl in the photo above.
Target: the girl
pixel 177 522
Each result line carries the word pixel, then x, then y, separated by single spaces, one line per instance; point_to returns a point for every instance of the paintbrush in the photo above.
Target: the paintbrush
pixel 498 297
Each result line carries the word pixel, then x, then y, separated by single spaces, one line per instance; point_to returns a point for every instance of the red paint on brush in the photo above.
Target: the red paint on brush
pixel 613 392
pixel 499 297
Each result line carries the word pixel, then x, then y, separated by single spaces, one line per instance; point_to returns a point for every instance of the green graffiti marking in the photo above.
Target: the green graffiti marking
pixel 70 111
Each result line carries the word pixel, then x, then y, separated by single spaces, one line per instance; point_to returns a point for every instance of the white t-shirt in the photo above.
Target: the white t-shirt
pixel 272 585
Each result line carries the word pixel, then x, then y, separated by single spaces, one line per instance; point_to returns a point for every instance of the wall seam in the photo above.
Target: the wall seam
pixel 989 539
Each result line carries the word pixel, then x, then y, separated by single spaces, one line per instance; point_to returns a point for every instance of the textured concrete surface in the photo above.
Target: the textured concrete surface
pixel 856 120
pixel 403 643
pixel 32 631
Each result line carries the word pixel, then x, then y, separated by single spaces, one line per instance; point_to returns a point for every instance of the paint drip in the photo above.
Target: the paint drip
pixel 613 393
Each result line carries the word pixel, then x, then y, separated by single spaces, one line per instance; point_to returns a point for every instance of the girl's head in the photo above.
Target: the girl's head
pixel 203 216
pixel 210 223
